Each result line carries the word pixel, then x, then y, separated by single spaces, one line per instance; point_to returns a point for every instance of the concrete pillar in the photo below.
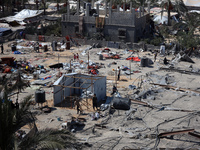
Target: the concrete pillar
pixel 117 8
pixel 131 5
pixel 142 10
pixel 123 7
pixel 92 4
pixel 77 9
pixel 97 10
pixel 87 11
pixel 149 7
pixel 133 16
pixel 106 8
pixel 110 15
pixel 68 12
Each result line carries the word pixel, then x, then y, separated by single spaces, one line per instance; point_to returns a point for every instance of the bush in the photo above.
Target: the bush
pixel 188 40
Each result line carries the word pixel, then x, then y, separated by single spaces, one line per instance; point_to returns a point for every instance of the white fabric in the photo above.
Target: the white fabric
pixel 195 3
pixel 160 19
pixel 162 49
pixel 25 13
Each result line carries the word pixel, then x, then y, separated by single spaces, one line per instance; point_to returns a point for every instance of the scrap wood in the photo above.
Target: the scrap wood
pixel 183 110
pixel 175 88
pixel 175 132
pixel 100 125
pixel 140 103
pixel 180 71
pixel 194 133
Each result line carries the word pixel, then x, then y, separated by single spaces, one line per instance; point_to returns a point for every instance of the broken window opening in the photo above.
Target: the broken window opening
pixel 122 33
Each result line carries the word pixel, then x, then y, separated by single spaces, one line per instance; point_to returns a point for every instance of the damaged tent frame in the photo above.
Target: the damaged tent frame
pixel 71 86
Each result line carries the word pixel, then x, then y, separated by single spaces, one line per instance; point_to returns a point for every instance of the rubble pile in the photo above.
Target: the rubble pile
pixel 149 104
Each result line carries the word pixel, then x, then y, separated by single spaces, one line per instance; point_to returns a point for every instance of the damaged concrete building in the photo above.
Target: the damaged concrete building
pixel 110 24
pixel 74 84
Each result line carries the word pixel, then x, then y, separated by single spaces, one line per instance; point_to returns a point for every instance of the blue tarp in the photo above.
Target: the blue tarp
pixel 4 31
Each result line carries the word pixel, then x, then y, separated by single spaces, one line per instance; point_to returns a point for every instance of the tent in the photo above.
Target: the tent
pixel 195 3
pixel 5 31
pixel 22 15
pixel 160 19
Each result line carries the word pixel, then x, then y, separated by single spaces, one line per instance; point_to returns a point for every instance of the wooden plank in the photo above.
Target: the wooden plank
pixel 175 132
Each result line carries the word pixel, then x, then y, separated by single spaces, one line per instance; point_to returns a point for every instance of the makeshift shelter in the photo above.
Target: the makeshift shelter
pixel 5 31
pixel 73 85
pixel 160 19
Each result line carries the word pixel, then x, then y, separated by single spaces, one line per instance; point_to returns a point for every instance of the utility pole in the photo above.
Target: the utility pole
pixel 130 69
pixel 88 61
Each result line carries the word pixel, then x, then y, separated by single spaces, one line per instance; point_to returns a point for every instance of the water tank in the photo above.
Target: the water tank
pixel 121 103
pixel 68 45
pixel 13 48
pixel 40 96
pixel 45 48
pixel 100 57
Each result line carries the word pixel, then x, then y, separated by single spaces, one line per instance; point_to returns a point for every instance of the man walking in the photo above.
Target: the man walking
pixel 118 73
pixel 155 56
pixel 94 102
pixel 2 48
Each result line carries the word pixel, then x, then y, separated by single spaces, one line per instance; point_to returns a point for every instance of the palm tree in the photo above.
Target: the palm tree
pixel 13 116
pixel 48 138
pixel 167 4
pixel 180 8
pixel 189 22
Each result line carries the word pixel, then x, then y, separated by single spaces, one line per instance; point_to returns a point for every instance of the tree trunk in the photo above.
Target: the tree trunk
pixel 37 4
pixel 2 5
pixel 168 14
pixel 44 8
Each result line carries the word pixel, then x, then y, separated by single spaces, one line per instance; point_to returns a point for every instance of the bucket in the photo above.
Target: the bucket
pixel 100 57
pixel 45 48
pixel 13 48
pixel 68 45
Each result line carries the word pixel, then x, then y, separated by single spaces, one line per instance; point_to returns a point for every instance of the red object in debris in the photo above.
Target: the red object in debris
pixel 93 71
pixel 67 38
pixel 41 38
pixel 106 49
pixel 133 58
pixel 115 57
pixel 7 70
pixel 8 60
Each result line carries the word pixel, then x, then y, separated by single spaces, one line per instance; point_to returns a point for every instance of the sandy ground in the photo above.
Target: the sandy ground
pixel 134 129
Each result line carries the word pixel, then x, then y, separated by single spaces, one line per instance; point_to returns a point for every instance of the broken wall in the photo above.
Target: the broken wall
pixel 100 88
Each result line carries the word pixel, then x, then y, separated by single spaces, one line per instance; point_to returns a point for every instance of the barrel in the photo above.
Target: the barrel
pixel 68 45
pixel 144 62
pixel 40 96
pixel 100 57
pixel 13 48
pixel 45 48
pixel 54 46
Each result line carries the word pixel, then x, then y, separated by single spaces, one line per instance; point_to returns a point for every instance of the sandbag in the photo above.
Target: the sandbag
pixel 121 103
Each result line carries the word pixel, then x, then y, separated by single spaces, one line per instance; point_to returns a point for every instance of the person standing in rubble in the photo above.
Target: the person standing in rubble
pixel 78 106
pixel 94 102
pixel 118 75
pixel 2 48
pixel 155 56
pixel 77 56
pixel 74 56
pixel 162 49
pixel 114 90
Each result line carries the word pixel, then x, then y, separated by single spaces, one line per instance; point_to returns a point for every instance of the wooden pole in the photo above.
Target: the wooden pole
pixel 88 61
pixel 130 69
